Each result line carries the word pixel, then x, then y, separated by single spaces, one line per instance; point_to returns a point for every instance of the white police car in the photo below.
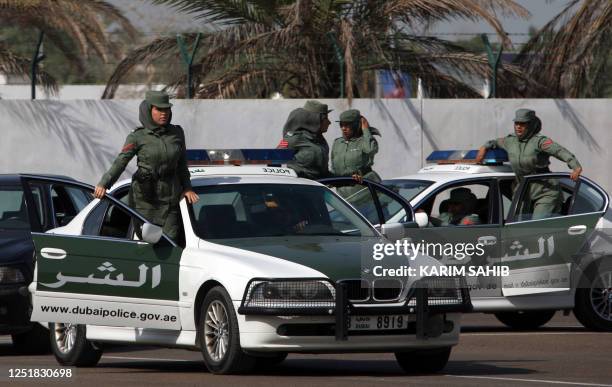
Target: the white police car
pixel 268 264
pixel 562 262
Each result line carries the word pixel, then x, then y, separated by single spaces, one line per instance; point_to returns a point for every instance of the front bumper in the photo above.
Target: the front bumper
pixel 327 329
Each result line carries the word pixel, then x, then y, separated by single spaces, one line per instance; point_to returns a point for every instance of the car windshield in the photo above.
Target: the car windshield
pixel 268 210
pixel 408 189
pixel 13 213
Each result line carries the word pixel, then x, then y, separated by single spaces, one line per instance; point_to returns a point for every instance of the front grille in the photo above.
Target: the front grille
pixel 357 290
pixel 380 290
pixel 387 289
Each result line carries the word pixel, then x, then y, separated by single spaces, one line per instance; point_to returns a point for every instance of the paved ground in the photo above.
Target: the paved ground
pixel 562 353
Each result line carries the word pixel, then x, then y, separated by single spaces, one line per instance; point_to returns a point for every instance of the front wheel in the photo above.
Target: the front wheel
pixel 71 347
pixel 220 336
pixel 423 361
pixel 593 307
pixel 531 319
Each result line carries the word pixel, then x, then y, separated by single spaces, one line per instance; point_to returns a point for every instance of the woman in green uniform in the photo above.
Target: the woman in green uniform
pixel 353 153
pixel 162 178
pixel 529 153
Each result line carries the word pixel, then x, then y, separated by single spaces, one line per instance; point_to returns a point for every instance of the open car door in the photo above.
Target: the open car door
pixel 541 251
pixel 101 271
pixel 377 203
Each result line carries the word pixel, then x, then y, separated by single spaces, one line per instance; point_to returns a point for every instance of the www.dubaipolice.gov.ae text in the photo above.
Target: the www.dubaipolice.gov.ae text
pixel 410 249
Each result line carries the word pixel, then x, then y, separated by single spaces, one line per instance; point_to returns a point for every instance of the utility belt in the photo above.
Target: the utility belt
pixel 147 180
pixel 539 170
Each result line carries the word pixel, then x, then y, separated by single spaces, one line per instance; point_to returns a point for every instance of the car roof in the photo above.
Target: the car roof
pixel 236 175
pixel 450 172
pixel 16 177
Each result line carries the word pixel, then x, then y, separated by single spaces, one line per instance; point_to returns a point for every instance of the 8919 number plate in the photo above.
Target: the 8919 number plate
pixel 380 323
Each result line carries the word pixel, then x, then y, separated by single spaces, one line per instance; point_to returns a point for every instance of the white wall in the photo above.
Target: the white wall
pixel 80 138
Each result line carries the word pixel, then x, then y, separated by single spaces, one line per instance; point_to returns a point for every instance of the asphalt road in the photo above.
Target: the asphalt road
pixel 562 353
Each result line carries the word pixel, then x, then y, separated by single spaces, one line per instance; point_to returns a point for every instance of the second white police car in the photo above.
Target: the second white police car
pixel 561 262
pixel 267 264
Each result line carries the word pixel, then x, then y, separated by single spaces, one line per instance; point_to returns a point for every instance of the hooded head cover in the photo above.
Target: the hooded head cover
pixel 302 119
pixel 144 115
pixel 534 125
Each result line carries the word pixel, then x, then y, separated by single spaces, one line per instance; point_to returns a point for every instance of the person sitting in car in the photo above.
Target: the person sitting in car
pixel 460 211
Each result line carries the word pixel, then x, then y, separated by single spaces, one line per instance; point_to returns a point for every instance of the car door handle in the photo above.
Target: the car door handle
pixel 487 240
pixel 577 230
pixel 52 253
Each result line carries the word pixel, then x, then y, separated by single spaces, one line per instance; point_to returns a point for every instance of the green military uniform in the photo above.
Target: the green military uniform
pixel 302 134
pixel 529 155
pixel 162 174
pixel 464 217
pixel 355 155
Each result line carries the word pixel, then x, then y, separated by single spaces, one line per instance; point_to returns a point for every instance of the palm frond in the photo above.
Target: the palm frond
pixel 12 64
pixel 569 53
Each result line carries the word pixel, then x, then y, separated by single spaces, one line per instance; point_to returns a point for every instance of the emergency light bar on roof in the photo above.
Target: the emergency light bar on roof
pixel 492 157
pixel 270 157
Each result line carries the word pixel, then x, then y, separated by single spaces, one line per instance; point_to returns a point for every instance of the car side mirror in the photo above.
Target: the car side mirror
pixel 421 219
pixel 151 233
pixel 392 231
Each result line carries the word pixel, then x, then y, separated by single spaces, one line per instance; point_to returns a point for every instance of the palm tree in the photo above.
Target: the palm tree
pixel 570 55
pixel 82 22
pixel 297 47
pixel 13 64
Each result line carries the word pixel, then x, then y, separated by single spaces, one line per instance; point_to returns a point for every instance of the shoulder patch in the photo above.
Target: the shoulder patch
pixel 128 147
pixel 282 144
pixel 546 144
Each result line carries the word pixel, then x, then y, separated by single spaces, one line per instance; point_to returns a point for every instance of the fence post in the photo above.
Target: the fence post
pixel 188 59
pixel 36 59
pixel 494 62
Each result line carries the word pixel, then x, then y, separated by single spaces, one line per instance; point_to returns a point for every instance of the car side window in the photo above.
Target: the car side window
pixel 459 205
pixel 67 202
pixel 545 197
pixel 13 214
pixel 588 199
pixel 360 197
pixel 390 207
pixel 109 220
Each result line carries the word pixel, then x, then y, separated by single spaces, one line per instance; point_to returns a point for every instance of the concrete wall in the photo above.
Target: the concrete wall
pixel 80 138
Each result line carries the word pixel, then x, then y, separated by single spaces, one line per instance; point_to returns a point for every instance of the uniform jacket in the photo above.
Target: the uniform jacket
pixel 162 173
pixel 355 155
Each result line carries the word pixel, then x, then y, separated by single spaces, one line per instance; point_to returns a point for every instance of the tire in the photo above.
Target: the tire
pixel 593 303
pixel 219 335
pixel 267 362
pixel 524 320
pixel 70 346
pixel 33 342
pixel 423 361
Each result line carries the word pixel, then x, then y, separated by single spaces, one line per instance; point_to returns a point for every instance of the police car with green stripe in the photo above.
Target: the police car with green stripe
pixel 562 262
pixel 267 264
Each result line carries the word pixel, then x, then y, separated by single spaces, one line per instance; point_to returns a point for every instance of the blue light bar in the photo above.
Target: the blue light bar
pixel 238 156
pixel 439 155
pixel 492 157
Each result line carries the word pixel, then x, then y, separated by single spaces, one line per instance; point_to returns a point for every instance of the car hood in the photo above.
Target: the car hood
pixel 15 246
pixel 336 257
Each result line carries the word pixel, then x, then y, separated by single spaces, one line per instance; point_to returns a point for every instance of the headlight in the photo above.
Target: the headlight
pixel 290 294
pixel 10 275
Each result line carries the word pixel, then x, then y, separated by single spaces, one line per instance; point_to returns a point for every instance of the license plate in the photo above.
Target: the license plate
pixel 380 323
